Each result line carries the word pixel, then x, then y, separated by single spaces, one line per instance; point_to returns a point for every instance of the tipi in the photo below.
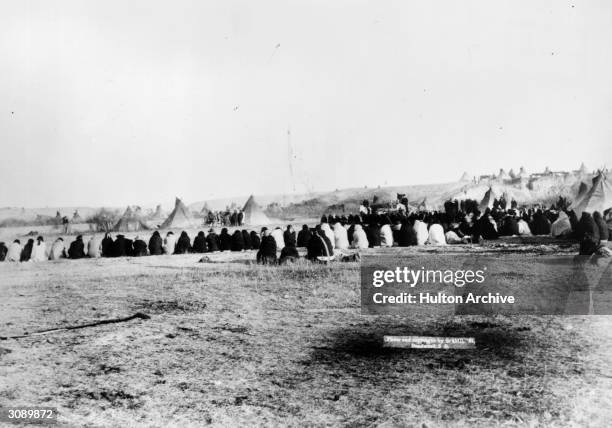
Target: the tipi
pixel 465 177
pixel 130 222
pixel 583 169
pixel 487 200
pixel 253 214
pixel 512 174
pixel 503 175
pixel 180 217
pixel 582 189
pixel 158 212
pixel 597 198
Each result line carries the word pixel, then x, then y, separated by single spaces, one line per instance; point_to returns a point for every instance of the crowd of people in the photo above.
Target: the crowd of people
pixel 225 218
pixel 457 224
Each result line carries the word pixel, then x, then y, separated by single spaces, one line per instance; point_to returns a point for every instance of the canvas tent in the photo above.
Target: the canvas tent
pixel 597 198
pixel 253 214
pixel 582 189
pixel 503 175
pixel 465 177
pixel 487 200
pixel 180 217
pixel 130 221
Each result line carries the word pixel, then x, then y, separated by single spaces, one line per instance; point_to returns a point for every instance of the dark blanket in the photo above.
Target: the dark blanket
pixel 140 248
pixel 255 240
pixel 237 241
pixel 485 229
pixel 212 242
pixel 183 245
pixel 303 237
pixel 319 245
pixel 288 254
pixel 246 238
pixel 225 240
pixel 77 248
pixel 510 227
pixel 373 233
pixel 199 243
pixel 3 251
pixel 107 246
pixel 540 224
pixel 267 251
pixel 156 244
pixel 120 247
pixel 289 238
pixel 406 235
pixel 26 252
pixel 588 234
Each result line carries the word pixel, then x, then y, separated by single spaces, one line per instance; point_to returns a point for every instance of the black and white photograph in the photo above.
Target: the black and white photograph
pixel 281 213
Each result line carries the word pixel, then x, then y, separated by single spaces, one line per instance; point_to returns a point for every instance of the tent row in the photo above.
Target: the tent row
pixel 181 217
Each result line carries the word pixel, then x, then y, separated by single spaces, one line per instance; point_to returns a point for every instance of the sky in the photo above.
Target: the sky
pixel 109 103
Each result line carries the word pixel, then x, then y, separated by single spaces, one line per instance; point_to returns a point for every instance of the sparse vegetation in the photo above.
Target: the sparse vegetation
pixel 233 343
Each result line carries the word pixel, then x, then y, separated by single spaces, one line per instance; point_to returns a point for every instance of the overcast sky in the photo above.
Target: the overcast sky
pixel 117 102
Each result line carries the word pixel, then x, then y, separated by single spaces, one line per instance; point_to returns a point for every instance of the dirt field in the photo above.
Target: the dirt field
pixel 229 343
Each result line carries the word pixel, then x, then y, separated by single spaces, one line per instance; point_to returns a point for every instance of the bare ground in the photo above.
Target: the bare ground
pixel 231 343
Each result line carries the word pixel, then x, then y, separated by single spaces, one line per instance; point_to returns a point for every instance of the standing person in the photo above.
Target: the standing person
pixel 26 253
pixel 240 218
pixel 39 252
pixel 156 244
pixel 169 243
pixel 94 247
pixel 58 250
pixel 77 248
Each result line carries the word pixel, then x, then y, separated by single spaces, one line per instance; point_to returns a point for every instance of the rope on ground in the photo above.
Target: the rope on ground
pixel 138 315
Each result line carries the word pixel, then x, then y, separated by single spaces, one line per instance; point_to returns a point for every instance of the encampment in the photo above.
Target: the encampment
pixel 130 221
pixel 180 217
pixel 487 200
pixel 253 214
pixel 597 198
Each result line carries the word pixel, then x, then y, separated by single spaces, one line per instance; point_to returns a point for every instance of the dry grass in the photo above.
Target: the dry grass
pixel 236 344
